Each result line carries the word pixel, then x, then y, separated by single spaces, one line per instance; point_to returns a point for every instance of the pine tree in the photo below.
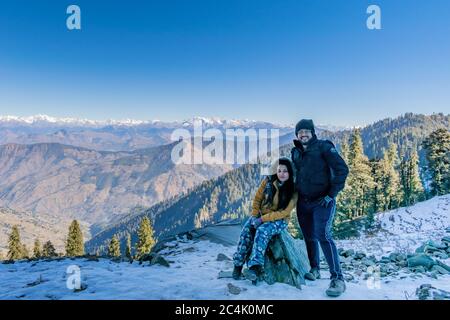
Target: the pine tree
pixel 114 247
pixel 15 246
pixel 355 199
pixel 48 250
pixel 379 178
pixel 37 251
pixel 145 238
pixel 411 182
pixel 25 252
pixel 128 252
pixel 392 189
pixel 437 147
pixel 74 243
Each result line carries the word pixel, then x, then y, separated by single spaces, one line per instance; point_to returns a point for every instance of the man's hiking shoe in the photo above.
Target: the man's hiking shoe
pixel 312 275
pixel 237 271
pixel 253 273
pixel 336 288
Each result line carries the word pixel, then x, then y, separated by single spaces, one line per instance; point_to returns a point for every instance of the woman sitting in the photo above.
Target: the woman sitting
pixel 271 210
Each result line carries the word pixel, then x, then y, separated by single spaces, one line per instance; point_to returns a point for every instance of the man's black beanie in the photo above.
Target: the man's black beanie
pixel 305 124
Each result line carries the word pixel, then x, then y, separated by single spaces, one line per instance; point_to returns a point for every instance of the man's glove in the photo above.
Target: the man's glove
pixel 325 201
pixel 256 222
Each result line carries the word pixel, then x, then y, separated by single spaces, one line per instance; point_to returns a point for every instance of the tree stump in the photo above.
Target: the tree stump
pixel 286 261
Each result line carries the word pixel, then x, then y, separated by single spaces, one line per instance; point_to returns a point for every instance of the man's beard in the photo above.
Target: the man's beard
pixel 304 141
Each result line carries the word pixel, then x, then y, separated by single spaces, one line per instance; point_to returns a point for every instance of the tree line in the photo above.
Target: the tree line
pixel 74 246
pixel 395 179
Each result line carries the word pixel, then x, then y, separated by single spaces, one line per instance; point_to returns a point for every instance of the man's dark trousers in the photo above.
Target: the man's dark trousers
pixel 316 223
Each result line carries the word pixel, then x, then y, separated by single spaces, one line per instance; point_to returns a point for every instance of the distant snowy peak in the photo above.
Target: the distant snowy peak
pixel 45 120
pixel 42 119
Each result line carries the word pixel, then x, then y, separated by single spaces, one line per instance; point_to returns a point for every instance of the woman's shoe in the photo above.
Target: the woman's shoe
pixel 313 274
pixel 237 271
pixel 253 273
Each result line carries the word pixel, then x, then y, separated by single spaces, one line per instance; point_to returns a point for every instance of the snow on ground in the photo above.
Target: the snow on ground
pixel 194 268
pixel 405 229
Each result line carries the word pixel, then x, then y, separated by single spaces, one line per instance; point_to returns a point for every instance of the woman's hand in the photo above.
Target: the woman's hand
pixel 256 222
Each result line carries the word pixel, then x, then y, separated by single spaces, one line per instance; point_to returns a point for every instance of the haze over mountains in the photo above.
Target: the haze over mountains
pixel 111 135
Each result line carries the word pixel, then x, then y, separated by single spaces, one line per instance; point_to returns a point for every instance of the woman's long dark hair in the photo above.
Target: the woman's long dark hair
pixel 286 190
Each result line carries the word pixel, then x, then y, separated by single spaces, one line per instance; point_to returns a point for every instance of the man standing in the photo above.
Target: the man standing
pixel 320 175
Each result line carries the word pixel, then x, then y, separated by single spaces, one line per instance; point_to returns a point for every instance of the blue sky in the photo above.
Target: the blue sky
pixel 265 60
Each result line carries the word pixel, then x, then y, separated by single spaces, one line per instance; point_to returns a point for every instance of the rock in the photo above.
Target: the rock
pixel 418 269
pixel 393 257
pixel 421 260
pixel 348 253
pixel 225 274
pixel 345 259
pixel 286 260
pixel 439 294
pixel 440 255
pixel 359 255
pixel 446 240
pixel 429 249
pixel 436 245
pixel 368 262
pixel 423 292
pixel 340 250
pixel 420 249
pixel 402 263
pixel 233 289
pixel 443 265
pixel 401 257
pixel 385 259
pixel 222 257
pixel 147 257
pixel 158 259
pixel 439 269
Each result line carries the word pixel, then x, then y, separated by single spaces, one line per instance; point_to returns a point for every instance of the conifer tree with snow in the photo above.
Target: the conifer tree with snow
pixel 412 186
pixel 74 243
pixel 437 148
pixel 393 190
pixel 128 252
pixel 355 198
pixel 37 250
pixel 146 239
pixel 15 247
pixel 114 247
pixel 48 250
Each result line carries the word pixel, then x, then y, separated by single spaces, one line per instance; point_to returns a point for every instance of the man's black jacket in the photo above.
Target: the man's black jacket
pixel 320 170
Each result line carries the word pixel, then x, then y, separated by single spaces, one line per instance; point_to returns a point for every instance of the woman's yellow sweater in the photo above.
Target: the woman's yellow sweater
pixel 269 212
